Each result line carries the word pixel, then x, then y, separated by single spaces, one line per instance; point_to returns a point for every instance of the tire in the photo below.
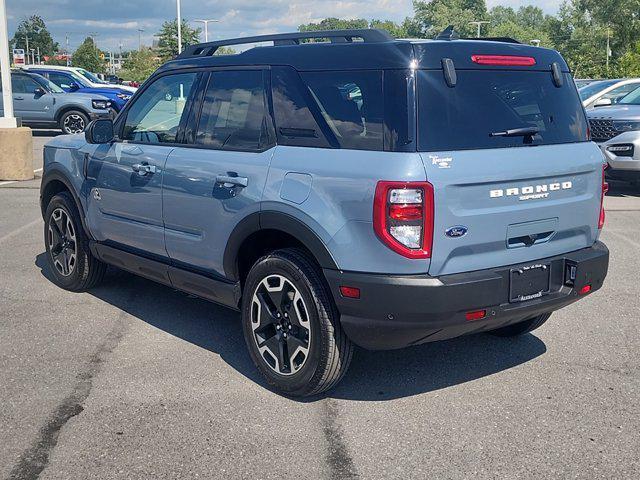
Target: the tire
pixel 286 302
pixel 521 328
pixel 70 261
pixel 73 121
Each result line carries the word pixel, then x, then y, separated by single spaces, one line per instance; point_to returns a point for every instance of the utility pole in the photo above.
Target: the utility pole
pixel 26 39
pixel 33 56
pixel 479 24
pixel 608 48
pixel 7 120
pixel 206 27
pixel 140 30
pixel 179 19
pixel 38 55
pixel 66 52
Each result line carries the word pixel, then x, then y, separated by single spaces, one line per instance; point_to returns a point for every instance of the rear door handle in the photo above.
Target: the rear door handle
pixel 143 169
pixel 227 180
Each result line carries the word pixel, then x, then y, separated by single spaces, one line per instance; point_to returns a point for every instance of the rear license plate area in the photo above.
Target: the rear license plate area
pixel 528 283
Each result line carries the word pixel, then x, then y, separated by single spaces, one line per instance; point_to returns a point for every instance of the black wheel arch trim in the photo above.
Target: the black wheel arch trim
pixel 274 220
pixel 55 174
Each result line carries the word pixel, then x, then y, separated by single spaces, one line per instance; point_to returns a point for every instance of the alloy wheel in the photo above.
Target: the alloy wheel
pixel 61 238
pixel 280 324
pixel 74 123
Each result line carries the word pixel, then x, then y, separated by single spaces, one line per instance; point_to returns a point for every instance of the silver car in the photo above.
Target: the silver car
pixel 42 104
pixel 616 129
pixel 607 92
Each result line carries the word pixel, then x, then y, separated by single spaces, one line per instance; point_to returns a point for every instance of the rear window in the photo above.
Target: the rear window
pixel 486 102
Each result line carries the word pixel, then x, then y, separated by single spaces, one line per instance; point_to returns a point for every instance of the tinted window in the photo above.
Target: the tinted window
pixel 351 104
pixel 61 79
pixel 155 115
pixel 295 123
pixel 620 92
pixel 486 102
pixel 23 84
pixel 234 111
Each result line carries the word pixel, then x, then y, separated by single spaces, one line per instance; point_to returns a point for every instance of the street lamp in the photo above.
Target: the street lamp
pixel 140 30
pixel 179 19
pixel 536 42
pixel 479 24
pixel 206 27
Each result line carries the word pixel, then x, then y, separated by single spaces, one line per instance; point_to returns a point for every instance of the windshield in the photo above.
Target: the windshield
pixel 47 84
pixel 497 109
pixel 595 87
pixel 90 76
pixel 632 98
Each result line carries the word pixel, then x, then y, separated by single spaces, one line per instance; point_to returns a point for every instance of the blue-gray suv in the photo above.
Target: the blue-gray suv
pixel 358 190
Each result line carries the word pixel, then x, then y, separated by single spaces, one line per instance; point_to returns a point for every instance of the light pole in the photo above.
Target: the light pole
pixel 179 19
pixel 535 42
pixel 479 24
pixel 140 30
pixel 8 120
pixel 206 27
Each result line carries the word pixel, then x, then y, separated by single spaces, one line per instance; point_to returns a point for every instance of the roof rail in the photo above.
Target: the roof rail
pixel 369 35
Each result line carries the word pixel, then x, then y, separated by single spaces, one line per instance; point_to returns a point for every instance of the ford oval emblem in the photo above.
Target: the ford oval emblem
pixel 457 231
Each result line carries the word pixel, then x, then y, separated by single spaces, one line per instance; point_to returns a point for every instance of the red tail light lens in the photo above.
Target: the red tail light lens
pixel 605 189
pixel 403 217
pixel 475 315
pixel 504 60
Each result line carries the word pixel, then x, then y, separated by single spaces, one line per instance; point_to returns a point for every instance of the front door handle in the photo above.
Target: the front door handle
pixel 227 180
pixel 143 169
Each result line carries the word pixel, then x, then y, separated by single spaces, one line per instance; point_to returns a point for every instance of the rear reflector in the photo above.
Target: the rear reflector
pixel 605 189
pixel 476 315
pixel 504 60
pixel 584 290
pixel 350 292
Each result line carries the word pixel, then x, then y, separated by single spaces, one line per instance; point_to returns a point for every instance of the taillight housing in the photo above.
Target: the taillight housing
pixel 605 189
pixel 504 60
pixel 403 217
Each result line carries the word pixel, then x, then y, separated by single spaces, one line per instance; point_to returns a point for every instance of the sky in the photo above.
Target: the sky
pixel 115 22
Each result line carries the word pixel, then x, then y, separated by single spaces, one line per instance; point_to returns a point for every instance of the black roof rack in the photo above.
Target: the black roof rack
pixel 370 35
pixel 494 39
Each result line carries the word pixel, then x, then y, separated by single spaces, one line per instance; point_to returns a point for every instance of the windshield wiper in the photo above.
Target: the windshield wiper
pixel 517 132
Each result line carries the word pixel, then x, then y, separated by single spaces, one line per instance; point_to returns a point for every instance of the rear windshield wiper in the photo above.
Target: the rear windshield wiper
pixel 517 132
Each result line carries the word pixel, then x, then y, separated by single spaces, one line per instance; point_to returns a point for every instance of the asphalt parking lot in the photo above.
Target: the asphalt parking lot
pixel 136 380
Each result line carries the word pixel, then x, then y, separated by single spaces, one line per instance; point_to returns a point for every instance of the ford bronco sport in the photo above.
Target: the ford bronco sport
pixel 358 190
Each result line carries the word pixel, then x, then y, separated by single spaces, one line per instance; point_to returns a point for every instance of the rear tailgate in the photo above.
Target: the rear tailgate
pixel 506 151
pixel 517 205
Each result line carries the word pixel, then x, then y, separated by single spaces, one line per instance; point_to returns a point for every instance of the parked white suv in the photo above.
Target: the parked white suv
pixel 88 77
pixel 607 92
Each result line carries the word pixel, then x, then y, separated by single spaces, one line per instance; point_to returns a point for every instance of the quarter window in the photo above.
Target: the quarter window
pixel 156 114
pixel 234 111
pixel 351 103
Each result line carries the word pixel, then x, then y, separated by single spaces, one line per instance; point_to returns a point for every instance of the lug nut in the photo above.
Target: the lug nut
pixel 278 327
pixel 290 327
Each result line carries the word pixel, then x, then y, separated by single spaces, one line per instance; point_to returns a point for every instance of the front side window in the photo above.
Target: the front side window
pixel 155 115
pixel 234 111
pixel 351 103
pixel 60 79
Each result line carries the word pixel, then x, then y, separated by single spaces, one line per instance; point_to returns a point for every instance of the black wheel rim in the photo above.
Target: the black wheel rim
pixel 61 238
pixel 280 324
pixel 74 123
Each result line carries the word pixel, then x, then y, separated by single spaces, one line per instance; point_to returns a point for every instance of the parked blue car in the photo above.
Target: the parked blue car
pixel 71 82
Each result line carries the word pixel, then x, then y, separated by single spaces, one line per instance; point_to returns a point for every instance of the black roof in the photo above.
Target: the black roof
pixel 358 50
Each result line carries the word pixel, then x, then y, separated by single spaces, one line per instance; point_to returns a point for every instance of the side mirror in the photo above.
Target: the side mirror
pixel 99 131
pixel 603 102
pixel 38 92
pixel 74 87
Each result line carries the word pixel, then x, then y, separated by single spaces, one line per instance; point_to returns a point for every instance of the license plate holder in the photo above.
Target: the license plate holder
pixel 530 282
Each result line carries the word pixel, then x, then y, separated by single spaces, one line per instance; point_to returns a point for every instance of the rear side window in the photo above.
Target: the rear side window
pixel 351 103
pixel 486 102
pixel 234 111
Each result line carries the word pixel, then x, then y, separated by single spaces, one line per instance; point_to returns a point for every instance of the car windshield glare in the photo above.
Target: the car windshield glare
pixel 595 87
pixel 632 98
pixel 90 76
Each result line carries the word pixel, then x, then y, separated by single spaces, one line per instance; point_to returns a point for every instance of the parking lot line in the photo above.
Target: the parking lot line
pixel 37 170
pixel 20 230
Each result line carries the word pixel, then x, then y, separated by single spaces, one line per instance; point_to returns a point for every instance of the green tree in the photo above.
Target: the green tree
pixel 39 37
pixel 526 24
pixel 334 24
pixel 87 56
pixel 139 65
pixel 168 38
pixel 436 15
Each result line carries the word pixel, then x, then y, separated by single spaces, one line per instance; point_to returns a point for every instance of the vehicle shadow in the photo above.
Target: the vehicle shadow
pixel 622 189
pixel 376 376
pixel 45 133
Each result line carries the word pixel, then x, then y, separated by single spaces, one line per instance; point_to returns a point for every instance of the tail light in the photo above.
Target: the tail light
pixel 504 60
pixel 403 217
pixel 605 189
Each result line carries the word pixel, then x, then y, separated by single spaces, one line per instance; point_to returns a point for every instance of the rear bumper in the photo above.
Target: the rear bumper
pixel 398 311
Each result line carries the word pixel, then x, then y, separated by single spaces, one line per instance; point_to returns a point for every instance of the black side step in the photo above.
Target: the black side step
pixel 218 291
